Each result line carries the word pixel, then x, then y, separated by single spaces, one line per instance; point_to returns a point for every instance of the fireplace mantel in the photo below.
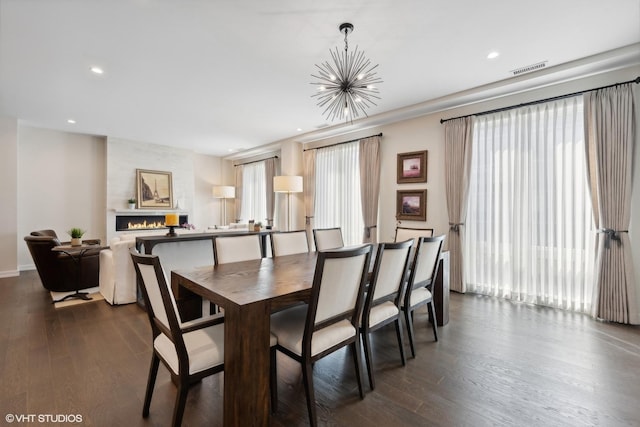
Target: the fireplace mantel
pixel 140 212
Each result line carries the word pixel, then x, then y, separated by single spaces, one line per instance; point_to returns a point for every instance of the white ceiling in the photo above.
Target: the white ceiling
pixel 220 75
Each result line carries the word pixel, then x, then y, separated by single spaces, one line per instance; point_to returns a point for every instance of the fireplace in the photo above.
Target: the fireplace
pixel 144 222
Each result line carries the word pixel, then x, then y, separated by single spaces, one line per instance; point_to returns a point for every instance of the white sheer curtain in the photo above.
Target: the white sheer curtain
pixel 337 200
pixel 529 228
pixel 254 193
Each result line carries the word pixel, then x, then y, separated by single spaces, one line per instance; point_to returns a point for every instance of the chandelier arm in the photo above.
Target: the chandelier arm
pixel 345 84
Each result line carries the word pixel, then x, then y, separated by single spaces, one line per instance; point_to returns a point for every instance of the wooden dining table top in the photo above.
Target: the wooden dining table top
pixel 281 281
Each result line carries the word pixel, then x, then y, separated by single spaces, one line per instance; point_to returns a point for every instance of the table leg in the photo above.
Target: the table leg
pixel 246 365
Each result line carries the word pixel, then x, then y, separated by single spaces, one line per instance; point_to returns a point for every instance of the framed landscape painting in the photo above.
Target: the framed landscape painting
pixel 412 167
pixel 411 205
pixel 154 189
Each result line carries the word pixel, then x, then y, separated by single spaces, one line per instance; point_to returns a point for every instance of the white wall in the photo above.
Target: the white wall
pixel 66 180
pixel 426 133
pixel 193 176
pixel 61 180
pixel 207 173
pixel 9 196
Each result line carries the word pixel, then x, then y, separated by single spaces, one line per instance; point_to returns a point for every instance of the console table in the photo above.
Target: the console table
pixel 148 242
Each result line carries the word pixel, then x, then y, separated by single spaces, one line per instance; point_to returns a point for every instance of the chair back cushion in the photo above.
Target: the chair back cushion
pixel 228 249
pixel 327 238
pixel 288 243
pixel 404 233
pixel 48 233
pixel 390 268
pixel 337 283
pixel 152 286
pixel 426 259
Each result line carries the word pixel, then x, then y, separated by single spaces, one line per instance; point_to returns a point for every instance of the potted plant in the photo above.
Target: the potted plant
pixel 132 203
pixel 76 236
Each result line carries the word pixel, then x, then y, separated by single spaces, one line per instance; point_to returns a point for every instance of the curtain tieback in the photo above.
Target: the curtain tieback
pixel 367 230
pixel 611 234
pixel 307 220
pixel 455 226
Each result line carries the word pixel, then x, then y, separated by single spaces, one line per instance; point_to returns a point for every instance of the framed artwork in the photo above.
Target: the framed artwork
pixel 412 167
pixel 411 205
pixel 154 189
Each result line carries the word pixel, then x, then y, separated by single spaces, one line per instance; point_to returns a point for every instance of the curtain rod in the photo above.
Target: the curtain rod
pixel 256 161
pixel 540 101
pixel 344 142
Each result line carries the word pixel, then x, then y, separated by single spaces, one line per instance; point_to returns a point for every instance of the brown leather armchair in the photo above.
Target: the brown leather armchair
pixel 52 233
pixel 59 271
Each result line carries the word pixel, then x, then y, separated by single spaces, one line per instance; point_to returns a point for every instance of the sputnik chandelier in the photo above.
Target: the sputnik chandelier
pixel 346 88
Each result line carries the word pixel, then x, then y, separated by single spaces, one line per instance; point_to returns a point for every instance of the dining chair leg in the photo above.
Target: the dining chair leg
pixel 355 350
pixel 307 379
pixel 181 401
pixel 409 321
pixel 399 334
pixel 434 323
pixel 273 380
pixel 151 382
pixel 368 358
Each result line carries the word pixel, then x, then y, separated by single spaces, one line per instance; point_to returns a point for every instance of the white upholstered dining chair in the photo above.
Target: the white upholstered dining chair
pixel 329 322
pixel 384 297
pixel 228 249
pixel 192 350
pixel 289 243
pixel 404 233
pixel 327 238
pixel 420 284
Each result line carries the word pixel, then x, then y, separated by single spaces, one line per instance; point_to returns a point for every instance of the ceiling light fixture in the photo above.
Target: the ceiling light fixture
pixel 346 88
pixel 71 121
pixel 97 70
pixel 493 55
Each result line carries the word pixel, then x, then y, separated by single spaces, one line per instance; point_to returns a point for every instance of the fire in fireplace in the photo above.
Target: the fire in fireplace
pixel 144 222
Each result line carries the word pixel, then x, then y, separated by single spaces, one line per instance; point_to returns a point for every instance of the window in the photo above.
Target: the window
pixel 529 227
pixel 254 192
pixel 338 191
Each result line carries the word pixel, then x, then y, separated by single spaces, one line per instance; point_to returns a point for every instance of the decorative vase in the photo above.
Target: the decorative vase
pixel 256 228
pixel 132 205
pixel 76 241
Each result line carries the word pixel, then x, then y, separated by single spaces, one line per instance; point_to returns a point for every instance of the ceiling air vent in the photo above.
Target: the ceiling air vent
pixel 529 68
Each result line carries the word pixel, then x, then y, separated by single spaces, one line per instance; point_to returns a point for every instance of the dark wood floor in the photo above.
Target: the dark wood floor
pixel 497 363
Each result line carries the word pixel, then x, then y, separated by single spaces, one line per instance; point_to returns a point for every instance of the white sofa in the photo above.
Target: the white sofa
pixel 118 277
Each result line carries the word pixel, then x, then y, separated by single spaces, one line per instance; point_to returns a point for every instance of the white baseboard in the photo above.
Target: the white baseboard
pixel 9 273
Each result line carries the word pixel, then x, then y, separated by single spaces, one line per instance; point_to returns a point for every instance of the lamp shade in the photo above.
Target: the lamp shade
pixel 224 191
pixel 287 184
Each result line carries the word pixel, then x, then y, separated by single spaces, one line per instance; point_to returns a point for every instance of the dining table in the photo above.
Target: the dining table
pixel 248 292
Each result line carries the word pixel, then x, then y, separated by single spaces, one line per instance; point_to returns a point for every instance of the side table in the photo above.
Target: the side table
pixel 77 253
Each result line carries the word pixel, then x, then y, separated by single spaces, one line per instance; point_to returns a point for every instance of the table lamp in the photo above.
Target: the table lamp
pixel 224 192
pixel 287 184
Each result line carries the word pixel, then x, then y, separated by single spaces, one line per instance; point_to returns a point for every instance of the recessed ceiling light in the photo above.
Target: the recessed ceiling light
pixel 493 55
pixel 71 121
pixel 299 129
pixel 97 70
